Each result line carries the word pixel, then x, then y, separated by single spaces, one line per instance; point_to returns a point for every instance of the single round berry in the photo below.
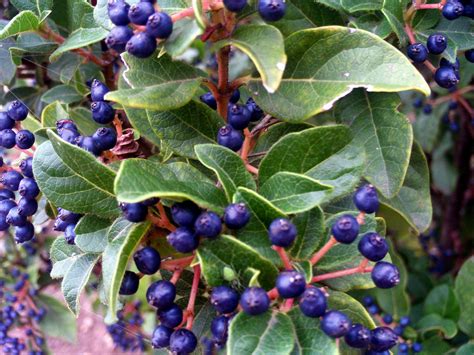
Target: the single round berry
pixel 171 316
pixel 373 246
pixel 235 5
pixel 147 260
pixel 230 138
pixel 69 135
pixel 416 347
pixel 65 124
pixel 185 213
pixel 161 337
pixel 118 37
pixel 271 10
pixel 346 229
pixel 335 324
pixel 290 284
pixel 60 225
pixel 6 206
pixel 403 348
pixel 129 283
pixel 26 167
pixel 373 309
pixel 256 112
pixel 159 25
pixel 118 12
pixel 452 10
pixel 89 145
pixel 102 112
pixel 254 301
pixel 151 201
pixel 366 199
pixel 358 337
pixel 17 110
pixel 24 233
pixel 469 54
pixel 368 301
pixel 235 97
pixel 7 138
pixel 183 240
pixel 282 232
pixel 387 319
pixel 446 77
pixel 385 275
pixel 5 121
pixel 209 100
pixel 105 138
pixel 134 212
pixel 161 294
pixel 6 194
pixel 313 302
pixel 183 341
pixel 238 116
pixel 27 207
pixel 28 188
pixel 208 225
pixel 399 330
pixel 405 321
pixel 224 299
pixel 382 339
pixel 70 234
pixel 11 179
pixel 98 90
pixel 24 139
pixel 141 45
pixel 15 219
pixel 139 13
pixel 452 105
pixel 4 225
pixel 219 328
pixel 236 215
pixel 418 102
pixel 417 52
pixel 437 43
pixel 68 216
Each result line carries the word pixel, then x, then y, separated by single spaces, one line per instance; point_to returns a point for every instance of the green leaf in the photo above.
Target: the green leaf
pixel 138 180
pixel 184 33
pixel 226 251
pixel 294 193
pixel 123 237
pixel 361 5
pixel 185 127
pixel 199 14
pixel 384 133
pixel 58 322
pixel 463 288
pixel 268 333
pixel 73 14
pixel 62 93
pixel 310 339
pixel 434 321
pixel 82 117
pixel 52 113
pixel 460 32
pixel 62 255
pixel 268 138
pixel 350 306
pixel 466 349
pixel 73 179
pixel 76 279
pixel 442 300
pixel 25 21
pixel 157 83
pixel 139 120
pixel 264 45
pixel 413 201
pixel 91 234
pixel 427 130
pixel 393 11
pixel 81 37
pixel 38 6
pixel 375 23
pixel 311 233
pixel 101 15
pixel 228 167
pixel 323 67
pixel 8 68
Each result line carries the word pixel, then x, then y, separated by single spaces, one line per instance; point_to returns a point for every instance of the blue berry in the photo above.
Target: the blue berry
pixel 171 316
pixel 313 302
pixel 118 12
pixel 70 234
pixel 129 284
pixel 271 10
pixel 446 77
pixel 282 232
pixel 161 294
pixel 346 229
pixel 418 102
pixel 358 336
pixel 417 52
pixel 24 233
pixel 455 66
pixel 7 138
pixel 366 199
pixel 98 90
pixel 25 139
pixel 469 54
pixel 159 25
pixel 208 225
pixel 452 10
pixel 15 219
pixel 102 112
pixel 219 327
pixel 238 116
pixel 254 301
pixel 382 339
pixel 89 145
pixel 437 43
pixel 209 100
pixel 105 138
pixel 5 121
pixel 235 5
pixel 335 324
pixel 385 275
pixel 69 135
pixel 230 138
pixel 139 13
pixel 256 112
pixel 161 337
pixel 6 206
pixel 368 301
pixel 224 299
pixel 235 97
pixel 387 319
pixel 147 260
pixel 185 213
pixel 151 201
pixel 373 246
pixel 134 212
pixel 469 10
pixel 65 124
pixel 236 215
pixel 6 194
pixel 28 188
pixel 403 348
pixel 27 207
pixel 68 216
pixel 399 330
pixel 452 105
pixel 118 37
pixel 60 225
pixel 183 240
pixel 11 179
pixel 290 284
pixel 141 45
pixel 427 109
pixel 416 347
pixel 405 321
pixel 17 110
pixel 183 341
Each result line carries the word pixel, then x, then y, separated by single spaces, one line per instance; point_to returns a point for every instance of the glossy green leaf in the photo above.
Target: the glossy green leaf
pixel 73 14
pixel 58 322
pixel 184 33
pixel 62 256
pixel 8 68
pixel 268 138
pixel 25 21
pixel 466 349
pixel 227 251
pixel 393 11
pixel 375 23
pixel 82 37
pixel 82 117
pixel 323 66
pixel 138 180
pixel 91 234
pixel 460 32
pixel 52 113
pixel 199 14
pixel 139 120
pixel 65 94
pixel 350 306
pixel 434 321
pixel 228 167
pixel 311 234
pixel 38 6
pixel 264 45
pixel 361 5
pixel 443 301
pixel 463 288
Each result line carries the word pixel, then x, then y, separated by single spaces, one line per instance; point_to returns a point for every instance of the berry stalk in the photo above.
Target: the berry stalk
pixel 192 296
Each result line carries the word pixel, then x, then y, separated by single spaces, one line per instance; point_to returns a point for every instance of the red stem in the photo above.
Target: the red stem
pixel 286 306
pixel 362 268
pixel 175 264
pixel 284 257
pixel 429 6
pixel 176 276
pixel 323 251
pixel 192 297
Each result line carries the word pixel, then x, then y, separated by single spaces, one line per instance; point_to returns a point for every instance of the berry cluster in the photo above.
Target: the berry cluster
pixel 269 10
pixel 15 113
pixel 149 26
pixel 66 222
pixel 20 316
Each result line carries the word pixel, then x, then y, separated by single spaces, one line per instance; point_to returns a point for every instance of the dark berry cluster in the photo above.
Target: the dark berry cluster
pixel 269 10
pixel 10 119
pixel 439 257
pixel 149 26
pixel 66 222
pixel 20 316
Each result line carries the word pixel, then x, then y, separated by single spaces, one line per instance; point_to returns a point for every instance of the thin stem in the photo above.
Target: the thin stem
pixel 176 275
pixel 244 152
pixel 429 6
pixel 410 34
pixel 251 169
pixel 273 293
pixel 164 218
pixel 118 126
pixel 223 81
pixel 192 297
pixel 361 218
pixel 333 275
pixel 284 257
pixel 176 264
pixel 323 251
pixel 286 306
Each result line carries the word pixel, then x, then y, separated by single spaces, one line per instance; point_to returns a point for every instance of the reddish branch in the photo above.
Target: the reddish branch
pixel 284 257
pixel 362 268
pixel 323 251
pixel 192 297
pixel 176 264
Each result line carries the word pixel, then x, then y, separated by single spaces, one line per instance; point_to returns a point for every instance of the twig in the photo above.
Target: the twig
pixel 192 297
pixel 323 251
pixel 362 268
pixel 175 264
pixel 284 257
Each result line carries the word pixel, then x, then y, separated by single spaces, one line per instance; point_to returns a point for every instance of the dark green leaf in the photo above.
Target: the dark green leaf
pixel 63 93
pixel 140 121
pixel 434 321
pixel 466 349
pixel 463 289
pixel 52 113
pixel 375 23
pixel 311 233
pixel 361 5
pixel 8 68
pixel 82 37
pixel 184 33
pixel 82 117
pixel 394 11
pixel 91 234
pixel 73 14
pixel 350 306
pixel 442 300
